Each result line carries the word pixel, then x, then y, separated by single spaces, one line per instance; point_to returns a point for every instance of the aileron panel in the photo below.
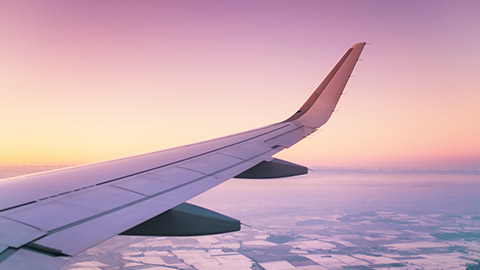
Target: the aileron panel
pixel 158 181
pixel 15 234
pixel 66 210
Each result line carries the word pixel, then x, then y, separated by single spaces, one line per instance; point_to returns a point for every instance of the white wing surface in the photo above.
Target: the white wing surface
pixel 47 217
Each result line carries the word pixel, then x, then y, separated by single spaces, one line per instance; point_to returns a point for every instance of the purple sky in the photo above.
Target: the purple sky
pixel 82 81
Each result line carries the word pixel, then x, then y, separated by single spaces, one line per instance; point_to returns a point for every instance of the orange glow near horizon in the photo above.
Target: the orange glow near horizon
pixel 81 84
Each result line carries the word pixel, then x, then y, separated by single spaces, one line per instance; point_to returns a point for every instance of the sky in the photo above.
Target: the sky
pixel 85 81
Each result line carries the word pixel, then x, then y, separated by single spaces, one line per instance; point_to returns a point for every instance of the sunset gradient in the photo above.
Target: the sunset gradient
pixel 84 81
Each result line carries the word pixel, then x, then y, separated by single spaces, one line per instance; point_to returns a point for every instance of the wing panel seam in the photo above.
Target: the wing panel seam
pixel 146 197
pixel 144 171
pixel 280 135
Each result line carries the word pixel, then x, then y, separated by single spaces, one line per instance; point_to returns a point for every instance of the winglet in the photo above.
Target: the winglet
pixel 320 105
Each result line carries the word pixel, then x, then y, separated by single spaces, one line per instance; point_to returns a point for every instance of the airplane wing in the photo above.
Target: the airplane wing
pixel 46 218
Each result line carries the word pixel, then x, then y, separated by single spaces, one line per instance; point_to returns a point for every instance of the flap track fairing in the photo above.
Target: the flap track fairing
pixel 185 220
pixel 276 168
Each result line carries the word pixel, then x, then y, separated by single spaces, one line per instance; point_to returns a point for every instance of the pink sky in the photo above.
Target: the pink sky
pixel 82 81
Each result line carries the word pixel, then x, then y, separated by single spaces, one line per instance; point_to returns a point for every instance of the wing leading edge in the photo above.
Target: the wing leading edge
pixel 46 218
